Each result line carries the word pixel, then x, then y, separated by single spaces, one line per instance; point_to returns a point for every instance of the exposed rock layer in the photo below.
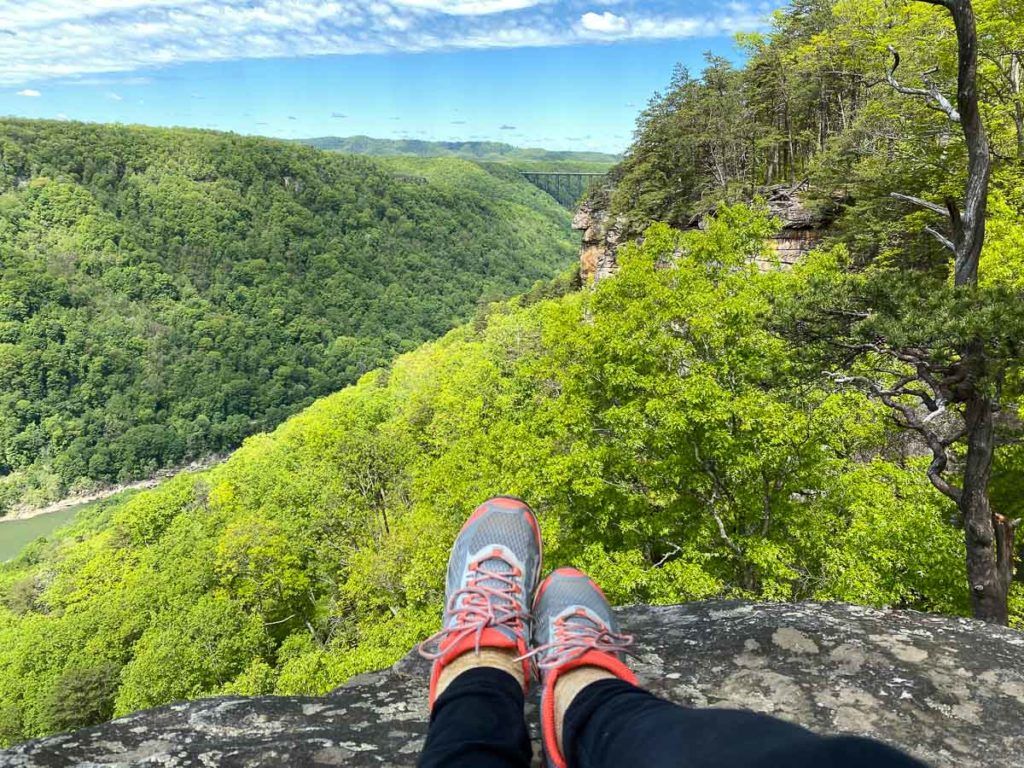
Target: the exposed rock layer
pixel 802 229
pixel 950 691
pixel 602 235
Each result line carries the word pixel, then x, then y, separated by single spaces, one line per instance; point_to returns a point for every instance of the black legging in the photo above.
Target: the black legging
pixel 478 722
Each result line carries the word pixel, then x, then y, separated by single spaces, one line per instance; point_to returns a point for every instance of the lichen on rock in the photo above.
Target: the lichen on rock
pixel 950 691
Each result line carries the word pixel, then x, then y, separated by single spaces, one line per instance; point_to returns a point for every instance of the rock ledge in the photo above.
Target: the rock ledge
pixel 950 691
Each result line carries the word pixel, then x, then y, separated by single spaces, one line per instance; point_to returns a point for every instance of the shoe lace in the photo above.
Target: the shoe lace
pixel 575 635
pixel 491 598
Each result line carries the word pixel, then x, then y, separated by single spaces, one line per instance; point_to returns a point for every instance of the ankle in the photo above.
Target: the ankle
pixel 568 687
pixel 493 658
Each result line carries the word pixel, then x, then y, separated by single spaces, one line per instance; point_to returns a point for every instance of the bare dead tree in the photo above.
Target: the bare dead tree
pixel 932 93
pixel 989 537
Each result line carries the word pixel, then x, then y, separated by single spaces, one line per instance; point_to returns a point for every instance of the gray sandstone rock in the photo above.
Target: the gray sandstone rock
pixel 950 691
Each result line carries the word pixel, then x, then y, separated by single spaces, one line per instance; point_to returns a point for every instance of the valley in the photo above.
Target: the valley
pixel 164 294
pixel 776 370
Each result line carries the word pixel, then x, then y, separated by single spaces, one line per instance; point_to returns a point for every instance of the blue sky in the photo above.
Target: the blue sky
pixel 561 74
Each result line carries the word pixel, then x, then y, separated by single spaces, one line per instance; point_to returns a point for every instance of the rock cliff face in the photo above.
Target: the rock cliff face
pixel 802 229
pixel 602 235
pixel 950 691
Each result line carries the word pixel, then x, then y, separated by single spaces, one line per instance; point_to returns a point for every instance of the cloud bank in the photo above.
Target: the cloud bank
pixel 78 40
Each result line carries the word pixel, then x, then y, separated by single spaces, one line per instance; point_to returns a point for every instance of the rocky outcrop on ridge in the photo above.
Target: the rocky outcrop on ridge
pixel 602 234
pixel 802 228
pixel 950 691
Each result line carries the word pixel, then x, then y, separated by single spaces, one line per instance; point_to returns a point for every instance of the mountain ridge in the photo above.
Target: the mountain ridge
pixel 166 292
pixel 474 150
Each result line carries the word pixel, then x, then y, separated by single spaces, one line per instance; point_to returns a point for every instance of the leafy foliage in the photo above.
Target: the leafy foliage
pixel 658 424
pixel 833 102
pixel 164 293
pixel 672 426
pixel 812 106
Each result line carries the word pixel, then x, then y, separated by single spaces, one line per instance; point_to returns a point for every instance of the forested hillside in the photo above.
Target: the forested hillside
pixel 691 427
pixel 164 293
pixel 484 151
pixel 661 429
pixel 813 106
pixel 903 123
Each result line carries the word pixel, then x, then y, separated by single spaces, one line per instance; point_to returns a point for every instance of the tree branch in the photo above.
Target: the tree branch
pixel 935 470
pixel 718 489
pixel 722 533
pixel 907 418
pixel 931 94
pixel 943 240
pixel 933 207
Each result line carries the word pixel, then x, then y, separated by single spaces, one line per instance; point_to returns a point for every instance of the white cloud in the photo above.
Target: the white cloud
pixel 470 7
pixel 605 23
pixel 115 96
pixel 30 92
pixel 697 26
pixel 106 42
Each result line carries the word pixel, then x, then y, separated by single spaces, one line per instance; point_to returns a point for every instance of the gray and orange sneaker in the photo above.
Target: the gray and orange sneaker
pixel 575 627
pixel 492 574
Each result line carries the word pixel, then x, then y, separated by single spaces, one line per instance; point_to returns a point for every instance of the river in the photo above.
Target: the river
pixel 15 534
pixel 24 526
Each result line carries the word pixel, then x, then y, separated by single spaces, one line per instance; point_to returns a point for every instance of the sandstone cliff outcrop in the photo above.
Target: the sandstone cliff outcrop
pixel 802 228
pixel 951 691
pixel 602 234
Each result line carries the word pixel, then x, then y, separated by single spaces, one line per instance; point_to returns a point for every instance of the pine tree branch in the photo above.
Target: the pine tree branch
pixel 906 417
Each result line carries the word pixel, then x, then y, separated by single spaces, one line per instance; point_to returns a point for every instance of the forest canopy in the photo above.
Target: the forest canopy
pixel 164 293
pixel 686 429
pixel 657 424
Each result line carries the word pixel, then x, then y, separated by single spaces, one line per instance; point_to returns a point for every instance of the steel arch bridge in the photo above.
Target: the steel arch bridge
pixel 566 187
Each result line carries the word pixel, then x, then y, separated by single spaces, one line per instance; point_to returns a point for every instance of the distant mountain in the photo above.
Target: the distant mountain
pixel 489 151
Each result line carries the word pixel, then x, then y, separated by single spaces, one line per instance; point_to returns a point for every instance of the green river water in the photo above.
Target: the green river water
pixel 15 534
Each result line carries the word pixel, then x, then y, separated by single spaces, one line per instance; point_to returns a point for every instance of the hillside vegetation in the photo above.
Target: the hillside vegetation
pixel 812 107
pixel 483 151
pixel 164 293
pixel 656 423
pixel 691 427
pixel 903 122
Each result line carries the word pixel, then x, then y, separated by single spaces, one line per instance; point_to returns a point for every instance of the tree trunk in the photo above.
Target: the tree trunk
pixel 1017 87
pixel 969 226
pixel 1006 530
pixel 988 576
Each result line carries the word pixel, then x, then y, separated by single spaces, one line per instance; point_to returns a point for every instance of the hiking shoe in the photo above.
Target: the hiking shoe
pixel 492 574
pixel 574 628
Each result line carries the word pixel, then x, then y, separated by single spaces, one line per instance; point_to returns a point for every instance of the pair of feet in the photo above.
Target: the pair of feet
pixel 498 614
